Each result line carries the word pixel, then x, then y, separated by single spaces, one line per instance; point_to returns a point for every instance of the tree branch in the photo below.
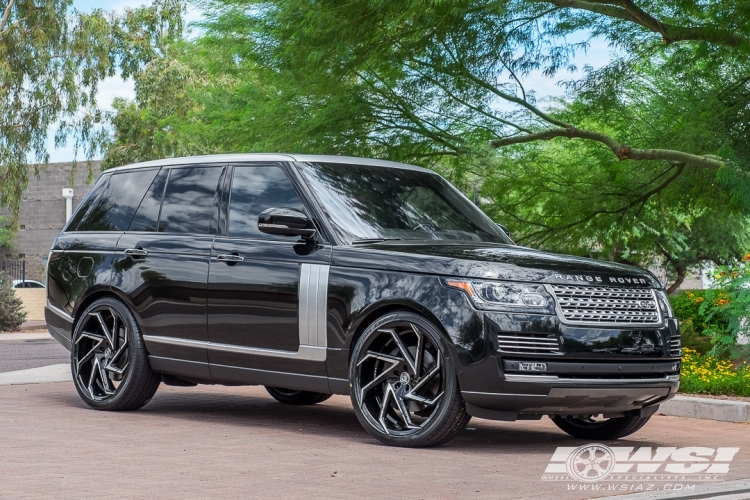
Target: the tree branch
pixel 6 14
pixel 622 152
pixel 627 10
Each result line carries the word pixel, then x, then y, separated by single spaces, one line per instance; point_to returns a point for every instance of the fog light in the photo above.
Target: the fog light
pixel 532 367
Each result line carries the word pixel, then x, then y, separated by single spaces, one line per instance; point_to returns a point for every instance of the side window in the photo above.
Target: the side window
pixel 189 200
pixel 88 201
pixel 255 189
pixel 147 216
pixel 114 206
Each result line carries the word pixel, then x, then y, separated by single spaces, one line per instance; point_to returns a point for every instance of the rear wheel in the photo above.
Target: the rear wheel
pixel 109 362
pixel 404 386
pixel 592 428
pixel 292 397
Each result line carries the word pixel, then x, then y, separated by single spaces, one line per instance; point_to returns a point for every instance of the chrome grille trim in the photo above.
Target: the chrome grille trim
pixel 606 305
pixel 528 343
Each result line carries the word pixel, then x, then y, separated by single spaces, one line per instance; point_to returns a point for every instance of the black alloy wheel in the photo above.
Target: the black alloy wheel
pixel 592 427
pixel 404 386
pixel 292 397
pixel 109 362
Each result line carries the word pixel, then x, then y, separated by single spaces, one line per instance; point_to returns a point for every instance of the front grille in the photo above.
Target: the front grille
pixel 602 305
pixel 528 343
pixel 675 346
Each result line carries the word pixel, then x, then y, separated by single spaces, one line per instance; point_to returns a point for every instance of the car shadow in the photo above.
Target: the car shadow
pixel 248 408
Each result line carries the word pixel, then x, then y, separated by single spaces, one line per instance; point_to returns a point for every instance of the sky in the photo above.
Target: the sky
pixel 597 55
pixel 110 87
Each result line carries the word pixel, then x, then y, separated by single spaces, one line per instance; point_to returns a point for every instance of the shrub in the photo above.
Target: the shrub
pixel 706 374
pixel 728 303
pixel 11 307
pixel 697 322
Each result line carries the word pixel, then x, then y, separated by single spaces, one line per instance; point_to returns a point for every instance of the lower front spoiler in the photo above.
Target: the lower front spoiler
pixel 539 395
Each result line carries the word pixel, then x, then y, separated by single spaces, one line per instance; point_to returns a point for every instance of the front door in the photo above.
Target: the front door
pixel 266 293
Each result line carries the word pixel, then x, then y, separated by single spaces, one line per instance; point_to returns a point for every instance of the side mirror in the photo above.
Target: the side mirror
pixel 285 222
pixel 504 229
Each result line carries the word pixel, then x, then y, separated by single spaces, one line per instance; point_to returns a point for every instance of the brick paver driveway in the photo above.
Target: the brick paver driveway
pixel 236 442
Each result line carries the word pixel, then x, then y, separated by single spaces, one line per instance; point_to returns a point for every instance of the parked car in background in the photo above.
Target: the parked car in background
pixel 320 275
pixel 28 284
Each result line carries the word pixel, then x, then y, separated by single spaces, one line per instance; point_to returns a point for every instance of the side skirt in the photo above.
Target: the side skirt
pixel 233 375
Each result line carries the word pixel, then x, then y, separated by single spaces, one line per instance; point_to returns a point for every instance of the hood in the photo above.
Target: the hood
pixel 490 261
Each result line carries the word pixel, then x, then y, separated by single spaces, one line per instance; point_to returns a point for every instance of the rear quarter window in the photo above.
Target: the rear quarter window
pixel 112 206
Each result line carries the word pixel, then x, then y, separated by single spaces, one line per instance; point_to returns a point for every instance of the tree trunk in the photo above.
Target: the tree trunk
pixel 681 271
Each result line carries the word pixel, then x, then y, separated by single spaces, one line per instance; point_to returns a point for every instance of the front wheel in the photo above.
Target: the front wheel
pixel 403 383
pixel 292 397
pixel 109 362
pixel 594 429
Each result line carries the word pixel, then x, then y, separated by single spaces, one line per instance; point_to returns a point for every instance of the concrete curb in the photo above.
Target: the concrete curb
pixel 25 336
pixel 706 408
pixel 51 373
pixel 33 325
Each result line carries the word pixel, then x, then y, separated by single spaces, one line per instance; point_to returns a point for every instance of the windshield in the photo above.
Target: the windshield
pixel 375 203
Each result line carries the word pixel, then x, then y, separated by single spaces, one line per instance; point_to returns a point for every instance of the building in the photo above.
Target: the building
pixel 43 213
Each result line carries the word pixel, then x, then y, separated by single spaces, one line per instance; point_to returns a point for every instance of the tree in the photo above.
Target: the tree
pixel 11 307
pixel 443 76
pixel 51 60
pixel 6 235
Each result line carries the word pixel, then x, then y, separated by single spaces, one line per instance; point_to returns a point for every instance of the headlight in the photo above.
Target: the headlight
pixel 664 304
pixel 504 296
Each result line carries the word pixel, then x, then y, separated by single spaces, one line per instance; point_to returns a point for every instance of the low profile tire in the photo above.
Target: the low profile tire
pixel 292 397
pixel 109 362
pixel 403 383
pixel 600 430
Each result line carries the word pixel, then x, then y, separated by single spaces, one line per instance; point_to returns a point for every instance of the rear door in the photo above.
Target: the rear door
pixel 81 258
pixel 161 265
pixel 266 293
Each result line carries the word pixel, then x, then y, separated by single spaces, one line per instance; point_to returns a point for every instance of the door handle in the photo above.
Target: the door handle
pixel 230 258
pixel 135 252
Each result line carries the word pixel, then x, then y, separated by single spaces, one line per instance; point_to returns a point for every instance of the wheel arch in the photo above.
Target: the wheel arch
pixel 380 309
pixel 87 301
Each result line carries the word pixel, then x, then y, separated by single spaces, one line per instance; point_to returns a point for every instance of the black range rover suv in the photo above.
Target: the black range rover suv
pixel 320 275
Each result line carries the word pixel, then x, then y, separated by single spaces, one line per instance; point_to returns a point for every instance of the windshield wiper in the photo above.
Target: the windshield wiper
pixel 365 241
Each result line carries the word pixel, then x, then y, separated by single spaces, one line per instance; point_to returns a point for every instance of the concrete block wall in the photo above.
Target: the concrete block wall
pixel 34 300
pixel 42 214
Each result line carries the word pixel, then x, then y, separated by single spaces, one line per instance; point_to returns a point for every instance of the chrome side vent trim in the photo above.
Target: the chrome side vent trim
pixel 528 343
pixel 675 346
pixel 313 296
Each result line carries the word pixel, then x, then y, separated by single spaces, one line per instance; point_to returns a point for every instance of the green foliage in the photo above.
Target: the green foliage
pixel 7 238
pixel 728 301
pixel 11 307
pixel 697 322
pixel 51 60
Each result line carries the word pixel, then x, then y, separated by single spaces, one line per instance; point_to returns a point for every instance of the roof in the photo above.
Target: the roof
pixel 251 157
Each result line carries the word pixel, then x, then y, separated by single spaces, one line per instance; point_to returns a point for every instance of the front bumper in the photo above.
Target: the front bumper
pixel 531 396
pixel 571 371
